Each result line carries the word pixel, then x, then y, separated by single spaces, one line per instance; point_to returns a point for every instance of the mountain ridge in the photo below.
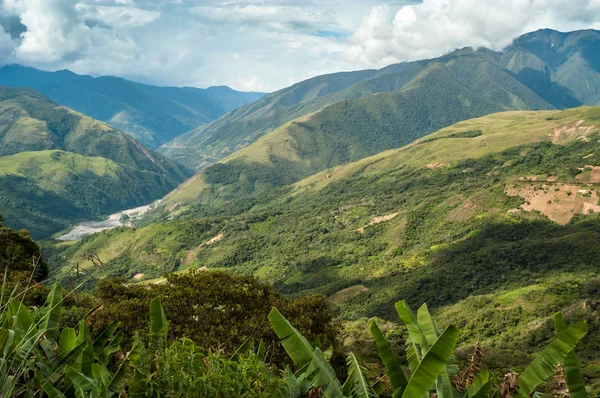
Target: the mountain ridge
pixel 152 114
pixel 557 84
pixel 58 166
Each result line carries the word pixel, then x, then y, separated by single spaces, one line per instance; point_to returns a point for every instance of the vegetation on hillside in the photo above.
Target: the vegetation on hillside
pixel 58 167
pixel 430 222
pixel 543 69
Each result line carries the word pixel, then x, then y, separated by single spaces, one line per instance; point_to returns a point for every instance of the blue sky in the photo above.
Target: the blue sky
pixel 262 45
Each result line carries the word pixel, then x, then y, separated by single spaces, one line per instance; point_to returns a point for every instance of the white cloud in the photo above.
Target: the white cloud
pixel 262 44
pixel 117 17
pixel 434 27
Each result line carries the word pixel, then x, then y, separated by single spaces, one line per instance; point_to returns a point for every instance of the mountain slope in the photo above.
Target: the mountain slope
pixel 494 222
pixel 442 94
pixel 389 215
pixel 564 68
pixel 151 114
pixel 560 68
pixel 58 166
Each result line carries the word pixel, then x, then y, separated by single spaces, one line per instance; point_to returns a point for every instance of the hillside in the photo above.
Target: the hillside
pixel 486 220
pixel 59 166
pixel 153 115
pixel 444 93
pixel 559 68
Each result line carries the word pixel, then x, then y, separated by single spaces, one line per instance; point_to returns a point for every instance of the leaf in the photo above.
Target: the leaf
pixel 103 337
pixel 544 364
pixel 243 349
pixel 158 322
pixel 412 355
pixel 80 381
pixel 481 386
pixel 52 311
pixel 118 380
pixel 66 342
pixel 408 317
pixel 392 366
pixel 443 384
pixel 359 386
pixel 292 383
pixel 432 364
pixel 262 350
pixel 302 353
pixel 575 382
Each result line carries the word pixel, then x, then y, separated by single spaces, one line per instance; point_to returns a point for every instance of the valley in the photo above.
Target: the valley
pixel 119 219
pixel 213 242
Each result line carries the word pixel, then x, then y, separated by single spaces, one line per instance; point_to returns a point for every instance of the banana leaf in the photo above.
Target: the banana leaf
pixel 544 364
pixel 392 366
pixel 431 365
pixel 575 382
pixel 158 323
pixel 303 353
pixel 357 385
pixel 52 311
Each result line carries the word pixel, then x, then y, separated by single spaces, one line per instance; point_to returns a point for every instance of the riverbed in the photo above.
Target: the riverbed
pixel 113 221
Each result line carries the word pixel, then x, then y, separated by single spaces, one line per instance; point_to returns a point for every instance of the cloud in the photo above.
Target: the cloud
pixel 261 44
pixel 434 27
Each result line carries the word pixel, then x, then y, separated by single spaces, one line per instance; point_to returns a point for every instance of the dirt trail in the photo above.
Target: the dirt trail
pixel 212 241
pixel 378 220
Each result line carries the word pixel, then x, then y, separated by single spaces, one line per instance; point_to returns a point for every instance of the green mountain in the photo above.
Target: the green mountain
pixel 58 166
pixel 153 115
pixel 454 89
pixel 561 69
pixel 493 222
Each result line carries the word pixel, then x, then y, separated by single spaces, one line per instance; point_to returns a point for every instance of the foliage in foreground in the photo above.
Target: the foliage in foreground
pixel 431 364
pixel 215 309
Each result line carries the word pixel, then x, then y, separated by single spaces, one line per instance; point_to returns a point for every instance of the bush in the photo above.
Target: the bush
pixel 215 310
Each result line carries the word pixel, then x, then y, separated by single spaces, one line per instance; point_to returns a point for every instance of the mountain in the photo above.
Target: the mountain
pixel 58 166
pixel 153 115
pixel 493 222
pixel 454 88
pixel 561 69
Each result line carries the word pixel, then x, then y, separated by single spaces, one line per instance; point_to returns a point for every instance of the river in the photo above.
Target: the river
pixel 113 221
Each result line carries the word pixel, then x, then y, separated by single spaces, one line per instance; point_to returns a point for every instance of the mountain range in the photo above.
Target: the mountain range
pixel 335 119
pixel 470 182
pixel 151 114
pixel 58 166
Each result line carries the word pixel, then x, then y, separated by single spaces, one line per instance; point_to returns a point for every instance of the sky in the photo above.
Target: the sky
pixel 263 45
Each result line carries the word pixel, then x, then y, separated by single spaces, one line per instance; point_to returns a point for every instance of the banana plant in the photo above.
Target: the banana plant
pixel 310 360
pixel 573 376
pixel 544 365
pixel 424 337
pixel 36 360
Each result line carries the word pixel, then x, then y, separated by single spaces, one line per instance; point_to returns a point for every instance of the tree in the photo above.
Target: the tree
pixel 215 310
